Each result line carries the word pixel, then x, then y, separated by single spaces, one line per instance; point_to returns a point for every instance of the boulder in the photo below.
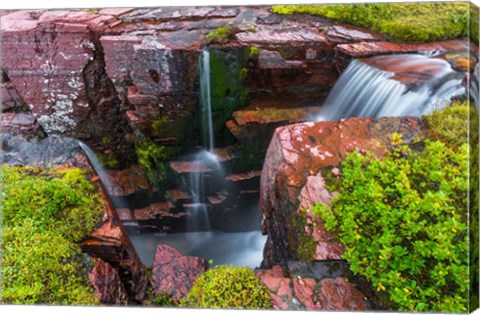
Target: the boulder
pixel 327 294
pixel 174 274
pixel 296 161
pixel 107 284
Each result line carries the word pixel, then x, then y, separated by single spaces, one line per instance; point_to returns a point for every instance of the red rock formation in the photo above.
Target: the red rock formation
pixel 53 60
pixel 174 274
pixel 295 160
pixel 107 284
pixel 111 244
pixel 346 52
pixel 328 294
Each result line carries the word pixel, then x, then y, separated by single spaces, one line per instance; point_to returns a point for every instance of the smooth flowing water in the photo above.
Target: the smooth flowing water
pixel 364 90
pixel 206 101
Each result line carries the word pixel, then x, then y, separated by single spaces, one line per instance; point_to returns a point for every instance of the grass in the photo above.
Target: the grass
pixel 409 22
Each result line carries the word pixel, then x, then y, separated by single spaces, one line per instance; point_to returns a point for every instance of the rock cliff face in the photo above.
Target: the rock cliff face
pixel 297 163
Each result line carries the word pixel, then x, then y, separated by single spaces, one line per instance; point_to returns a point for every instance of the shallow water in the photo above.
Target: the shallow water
pixel 238 249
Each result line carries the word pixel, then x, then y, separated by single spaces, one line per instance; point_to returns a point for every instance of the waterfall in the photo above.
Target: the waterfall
pixel 363 90
pixel 205 101
pixel 97 166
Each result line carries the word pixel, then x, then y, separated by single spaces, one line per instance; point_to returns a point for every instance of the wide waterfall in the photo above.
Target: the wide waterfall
pixel 364 90
pixel 205 101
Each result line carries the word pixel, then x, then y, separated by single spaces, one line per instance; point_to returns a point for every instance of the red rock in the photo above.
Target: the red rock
pixel 345 52
pixel 111 244
pixel 174 274
pixel 349 34
pixel 408 69
pixel 127 181
pixel 189 167
pixel 294 161
pixel 311 294
pixel 115 11
pixel 337 294
pixel 10 99
pixel 21 124
pixel 153 211
pixel 53 63
pixel 107 284
pixel 282 36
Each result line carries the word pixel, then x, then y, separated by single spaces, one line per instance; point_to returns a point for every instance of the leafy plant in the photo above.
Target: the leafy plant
pixel 228 287
pixel 401 21
pixel 403 221
pixel 45 214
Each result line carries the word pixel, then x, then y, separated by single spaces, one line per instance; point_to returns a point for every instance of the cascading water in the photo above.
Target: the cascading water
pixel 363 90
pixel 205 101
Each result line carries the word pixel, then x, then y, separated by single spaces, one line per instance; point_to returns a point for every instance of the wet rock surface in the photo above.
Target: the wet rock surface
pixel 174 274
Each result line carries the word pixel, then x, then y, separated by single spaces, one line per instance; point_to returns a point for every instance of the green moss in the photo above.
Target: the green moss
pixel 450 125
pixel 410 22
pixel 253 52
pixel 332 182
pixel 228 287
pixel 46 213
pixel 108 160
pixel 474 27
pixel 221 34
pixel 299 241
pixel 228 73
pixel 153 158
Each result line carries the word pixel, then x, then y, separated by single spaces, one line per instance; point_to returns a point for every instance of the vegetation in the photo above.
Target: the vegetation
pixel 152 157
pixel 410 22
pixel 221 34
pixel 404 221
pixel 46 213
pixel 228 287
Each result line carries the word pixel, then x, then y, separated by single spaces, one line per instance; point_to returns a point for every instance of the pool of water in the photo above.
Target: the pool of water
pixel 237 249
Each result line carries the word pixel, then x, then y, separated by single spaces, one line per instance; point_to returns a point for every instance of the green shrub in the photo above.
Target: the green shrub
pixel 228 287
pixel 401 21
pixel 45 214
pixel 403 221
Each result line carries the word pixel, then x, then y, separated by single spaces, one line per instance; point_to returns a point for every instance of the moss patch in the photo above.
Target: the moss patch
pixel 46 213
pixel 410 22
pixel 228 287
pixel 299 241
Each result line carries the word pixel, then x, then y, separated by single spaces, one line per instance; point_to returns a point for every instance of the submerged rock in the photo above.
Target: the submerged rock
pixel 174 274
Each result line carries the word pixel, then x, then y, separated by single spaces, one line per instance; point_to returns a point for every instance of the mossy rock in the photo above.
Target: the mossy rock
pixel 228 287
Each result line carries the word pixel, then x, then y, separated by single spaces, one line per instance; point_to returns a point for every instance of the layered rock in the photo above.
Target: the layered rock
pixel 107 284
pixel 295 164
pixel 346 52
pixel 327 294
pixel 111 244
pixel 55 64
pixel 174 274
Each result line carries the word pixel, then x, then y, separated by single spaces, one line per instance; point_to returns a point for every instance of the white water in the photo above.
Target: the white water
pixel 205 101
pixel 363 91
